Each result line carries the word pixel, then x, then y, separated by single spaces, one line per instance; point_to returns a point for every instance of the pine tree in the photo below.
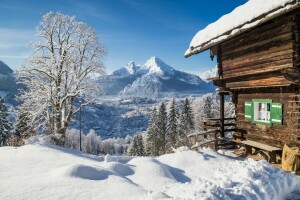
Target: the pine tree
pixel 5 125
pixel 133 150
pixel 181 139
pixel 186 124
pixel 162 128
pixel 22 130
pixel 207 108
pixel 152 137
pixel 140 146
pixel 22 127
pixel 172 126
pixel 137 147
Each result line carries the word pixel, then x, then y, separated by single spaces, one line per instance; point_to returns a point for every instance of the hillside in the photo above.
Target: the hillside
pixel 58 173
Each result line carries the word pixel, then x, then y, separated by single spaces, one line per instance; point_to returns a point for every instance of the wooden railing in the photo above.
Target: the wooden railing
pixel 212 132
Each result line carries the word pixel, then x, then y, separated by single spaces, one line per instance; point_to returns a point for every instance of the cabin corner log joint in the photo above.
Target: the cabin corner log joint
pixel 260 68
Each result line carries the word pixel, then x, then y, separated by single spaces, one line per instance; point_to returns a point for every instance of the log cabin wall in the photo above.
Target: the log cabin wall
pixel 263 63
pixel 258 57
pixel 275 135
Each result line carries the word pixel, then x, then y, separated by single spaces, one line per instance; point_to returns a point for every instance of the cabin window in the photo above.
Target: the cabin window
pixel 263 112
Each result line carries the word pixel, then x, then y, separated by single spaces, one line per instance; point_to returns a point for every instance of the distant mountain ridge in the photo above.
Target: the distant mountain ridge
pixel 154 78
pixel 5 69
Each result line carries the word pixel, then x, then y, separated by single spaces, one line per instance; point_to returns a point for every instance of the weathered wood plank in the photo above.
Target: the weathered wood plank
pixel 260 145
pixel 271 54
pixel 261 44
pixel 259 83
pixel 256 34
pixel 258 71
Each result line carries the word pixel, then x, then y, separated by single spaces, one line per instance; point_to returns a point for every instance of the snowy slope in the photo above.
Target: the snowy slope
pixel 42 171
pixel 155 79
pixel 148 85
pixel 209 74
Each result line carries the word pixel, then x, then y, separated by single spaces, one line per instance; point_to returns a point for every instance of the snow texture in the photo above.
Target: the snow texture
pixel 246 16
pixel 42 171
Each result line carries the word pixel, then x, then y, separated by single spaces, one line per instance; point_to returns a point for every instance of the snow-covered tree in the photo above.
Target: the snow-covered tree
pixel 152 135
pixel 22 126
pixel 137 146
pixel 57 75
pixel 162 128
pixel 207 107
pixel 172 126
pixel 5 125
pixel 186 125
pixel 22 129
pixel 141 146
pixel 92 142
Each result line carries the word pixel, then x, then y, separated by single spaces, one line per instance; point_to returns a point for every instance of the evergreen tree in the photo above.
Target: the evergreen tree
pixel 207 108
pixel 22 127
pixel 181 139
pixel 152 137
pixel 137 146
pixel 133 150
pixel 140 146
pixel 22 130
pixel 172 126
pixel 5 125
pixel 162 128
pixel 186 124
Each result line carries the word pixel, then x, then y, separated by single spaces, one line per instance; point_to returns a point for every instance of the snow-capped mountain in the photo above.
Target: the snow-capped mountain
pixel 209 74
pixel 154 78
pixel 130 69
pixel 152 66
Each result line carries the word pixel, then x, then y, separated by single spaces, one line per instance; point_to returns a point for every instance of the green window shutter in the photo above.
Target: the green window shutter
pixel 276 113
pixel 248 110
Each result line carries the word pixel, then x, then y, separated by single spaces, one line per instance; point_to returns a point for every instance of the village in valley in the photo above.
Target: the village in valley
pixel 215 116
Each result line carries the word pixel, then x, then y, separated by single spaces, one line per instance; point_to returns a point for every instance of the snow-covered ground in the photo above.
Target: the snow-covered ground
pixel 42 171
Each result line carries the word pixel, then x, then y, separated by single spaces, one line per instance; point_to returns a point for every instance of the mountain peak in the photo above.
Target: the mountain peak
pixel 157 66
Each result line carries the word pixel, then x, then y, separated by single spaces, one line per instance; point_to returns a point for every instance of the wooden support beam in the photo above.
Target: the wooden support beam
pixel 222 114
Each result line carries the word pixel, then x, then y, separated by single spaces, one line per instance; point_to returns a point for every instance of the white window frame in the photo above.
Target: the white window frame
pixel 262 112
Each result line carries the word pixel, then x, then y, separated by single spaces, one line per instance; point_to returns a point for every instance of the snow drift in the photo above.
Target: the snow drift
pixel 41 171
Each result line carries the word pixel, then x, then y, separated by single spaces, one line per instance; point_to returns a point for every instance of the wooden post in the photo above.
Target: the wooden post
pixel 222 114
pixel 80 115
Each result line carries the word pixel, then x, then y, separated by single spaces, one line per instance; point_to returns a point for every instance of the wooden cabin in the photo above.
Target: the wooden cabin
pixel 258 59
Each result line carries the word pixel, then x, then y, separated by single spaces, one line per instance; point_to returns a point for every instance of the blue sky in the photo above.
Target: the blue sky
pixel 131 29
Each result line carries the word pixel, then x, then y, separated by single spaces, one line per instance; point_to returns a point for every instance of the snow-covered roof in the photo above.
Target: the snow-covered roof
pixel 244 17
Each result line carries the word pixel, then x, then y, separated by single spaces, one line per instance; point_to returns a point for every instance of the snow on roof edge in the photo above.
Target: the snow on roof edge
pixel 195 49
